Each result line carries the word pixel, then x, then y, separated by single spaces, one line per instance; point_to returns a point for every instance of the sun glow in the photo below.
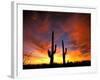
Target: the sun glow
pixel 71 56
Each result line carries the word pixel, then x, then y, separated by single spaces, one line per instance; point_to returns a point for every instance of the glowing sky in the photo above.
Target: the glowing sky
pixel 73 28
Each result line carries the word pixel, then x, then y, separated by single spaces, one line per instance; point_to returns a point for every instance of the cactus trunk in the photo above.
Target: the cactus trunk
pixel 53 50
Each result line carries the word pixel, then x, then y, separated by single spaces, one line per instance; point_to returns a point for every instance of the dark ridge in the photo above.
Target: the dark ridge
pixel 56 65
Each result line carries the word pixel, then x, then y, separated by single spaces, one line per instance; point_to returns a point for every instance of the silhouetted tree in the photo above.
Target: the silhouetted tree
pixel 53 50
pixel 64 51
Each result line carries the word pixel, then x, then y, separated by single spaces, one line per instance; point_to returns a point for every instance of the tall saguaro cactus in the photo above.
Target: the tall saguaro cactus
pixel 53 50
pixel 64 51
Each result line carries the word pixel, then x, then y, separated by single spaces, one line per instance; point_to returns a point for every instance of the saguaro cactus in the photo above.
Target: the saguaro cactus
pixel 53 50
pixel 64 51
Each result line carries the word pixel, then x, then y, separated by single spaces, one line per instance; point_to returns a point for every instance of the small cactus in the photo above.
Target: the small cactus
pixel 64 51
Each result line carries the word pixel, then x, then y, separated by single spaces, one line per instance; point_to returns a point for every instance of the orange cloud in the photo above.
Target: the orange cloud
pixel 41 58
pixel 37 40
pixel 74 56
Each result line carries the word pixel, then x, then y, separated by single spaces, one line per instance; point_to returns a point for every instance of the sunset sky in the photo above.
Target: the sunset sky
pixel 73 28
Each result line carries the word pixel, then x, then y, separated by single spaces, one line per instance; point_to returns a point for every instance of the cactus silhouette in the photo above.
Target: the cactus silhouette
pixel 64 51
pixel 53 50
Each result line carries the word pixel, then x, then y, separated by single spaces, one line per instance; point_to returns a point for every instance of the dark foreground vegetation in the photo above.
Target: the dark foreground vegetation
pixel 56 65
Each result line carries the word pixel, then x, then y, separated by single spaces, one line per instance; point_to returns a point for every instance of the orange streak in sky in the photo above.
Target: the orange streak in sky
pixel 71 56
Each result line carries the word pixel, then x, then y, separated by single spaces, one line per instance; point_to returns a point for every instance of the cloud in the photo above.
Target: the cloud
pixel 78 27
pixel 73 28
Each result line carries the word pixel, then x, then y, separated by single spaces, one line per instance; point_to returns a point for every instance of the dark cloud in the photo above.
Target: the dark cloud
pixel 73 28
